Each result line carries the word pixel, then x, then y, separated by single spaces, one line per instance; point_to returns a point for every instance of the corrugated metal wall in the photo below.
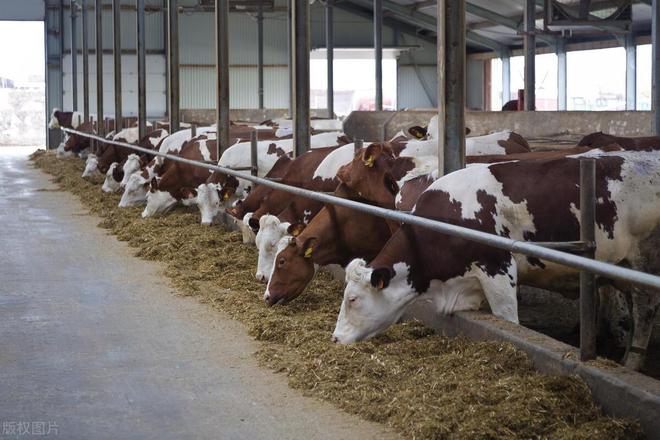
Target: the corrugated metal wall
pixel 197 58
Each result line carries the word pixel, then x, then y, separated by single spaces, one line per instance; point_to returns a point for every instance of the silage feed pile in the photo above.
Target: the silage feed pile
pixel 422 385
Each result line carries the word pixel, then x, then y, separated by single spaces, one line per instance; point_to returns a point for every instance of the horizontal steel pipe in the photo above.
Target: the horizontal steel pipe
pixel 519 247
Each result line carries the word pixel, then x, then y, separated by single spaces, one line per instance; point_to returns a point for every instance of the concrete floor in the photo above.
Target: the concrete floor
pixel 93 344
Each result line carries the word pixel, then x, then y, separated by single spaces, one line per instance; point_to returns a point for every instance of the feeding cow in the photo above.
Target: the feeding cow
pixel 536 200
pixel 137 185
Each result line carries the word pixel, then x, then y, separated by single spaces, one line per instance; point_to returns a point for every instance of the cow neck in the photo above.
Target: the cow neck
pixel 351 194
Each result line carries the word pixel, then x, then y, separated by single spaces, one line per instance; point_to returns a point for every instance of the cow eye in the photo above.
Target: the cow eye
pixel 352 300
pixel 280 262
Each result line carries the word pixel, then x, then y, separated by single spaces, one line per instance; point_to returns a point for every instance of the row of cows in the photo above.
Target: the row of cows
pixel 506 189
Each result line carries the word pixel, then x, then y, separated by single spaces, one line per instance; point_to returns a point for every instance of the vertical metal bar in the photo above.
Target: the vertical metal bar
pixel 378 52
pixel 74 56
pixel 631 72
pixel 358 144
pixel 116 55
pixel 655 49
pixel 193 130
pixel 289 51
pixel 529 49
pixel 260 55
pixel 588 330
pixel 222 73
pixel 141 69
pixel 85 59
pixel 173 63
pixel 330 56
pixel 254 165
pixel 166 46
pixel 451 84
pixel 300 39
pixel 506 78
pixel 562 100
pixel 98 11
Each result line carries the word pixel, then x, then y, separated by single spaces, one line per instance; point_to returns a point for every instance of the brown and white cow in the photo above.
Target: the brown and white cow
pixel 279 209
pixel 137 185
pixel 334 236
pixel 600 139
pixel 535 200
pixel 176 178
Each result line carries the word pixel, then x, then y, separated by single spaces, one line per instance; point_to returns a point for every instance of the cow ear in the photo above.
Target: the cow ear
pixel 308 247
pixel 254 224
pixel 295 229
pixel 380 278
pixel 417 132
pixel 371 153
pixel 154 184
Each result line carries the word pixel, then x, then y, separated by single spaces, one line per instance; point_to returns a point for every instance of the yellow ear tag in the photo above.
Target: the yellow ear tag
pixel 308 253
pixel 369 162
pixel 226 196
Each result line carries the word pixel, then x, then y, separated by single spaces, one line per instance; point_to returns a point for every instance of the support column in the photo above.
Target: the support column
pixel 98 11
pixel 289 52
pixel 378 52
pixel 260 55
pixel 631 72
pixel 562 78
pixel 141 69
pixel 85 60
pixel 300 40
pixel 655 55
pixel 53 42
pixel 529 48
pixel 330 57
pixel 74 56
pixel 506 77
pixel 116 55
pixel 173 63
pixel 451 85
pixel 222 72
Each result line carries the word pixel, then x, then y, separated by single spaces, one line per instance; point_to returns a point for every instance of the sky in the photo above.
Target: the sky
pixel 22 49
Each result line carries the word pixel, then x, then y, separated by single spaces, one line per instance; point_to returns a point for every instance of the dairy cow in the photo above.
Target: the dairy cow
pixel 600 139
pixel 535 200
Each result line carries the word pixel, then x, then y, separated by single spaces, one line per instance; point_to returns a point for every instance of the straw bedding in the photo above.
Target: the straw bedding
pixel 423 385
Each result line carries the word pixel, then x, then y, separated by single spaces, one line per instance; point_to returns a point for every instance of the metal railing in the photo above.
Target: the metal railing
pixel 544 251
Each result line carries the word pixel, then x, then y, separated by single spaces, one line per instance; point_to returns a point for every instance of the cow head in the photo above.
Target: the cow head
pixel 373 300
pixel 246 230
pixel 293 269
pixel 135 191
pixel 208 199
pixel 597 140
pixel 158 202
pixel 110 185
pixel 369 174
pixel 91 165
pixel 131 166
pixel 271 231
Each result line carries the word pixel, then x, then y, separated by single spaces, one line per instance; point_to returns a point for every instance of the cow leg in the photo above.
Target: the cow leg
pixel 500 292
pixel 645 306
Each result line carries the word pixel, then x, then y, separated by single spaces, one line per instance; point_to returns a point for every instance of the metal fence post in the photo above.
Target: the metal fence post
pixel 98 11
pixel 74 56
pixel 85 59
pixel 588 331
pixel 358 145
pixel 142 69
pixel 116 56
pixel 193 130
pixel 254 165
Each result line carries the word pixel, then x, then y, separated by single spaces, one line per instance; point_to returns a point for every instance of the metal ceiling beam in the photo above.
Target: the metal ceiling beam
pixel 428 22
pixel 402 27
pixel 511 23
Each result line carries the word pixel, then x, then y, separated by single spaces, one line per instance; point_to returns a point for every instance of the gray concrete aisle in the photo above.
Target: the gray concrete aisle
pixel 94 345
